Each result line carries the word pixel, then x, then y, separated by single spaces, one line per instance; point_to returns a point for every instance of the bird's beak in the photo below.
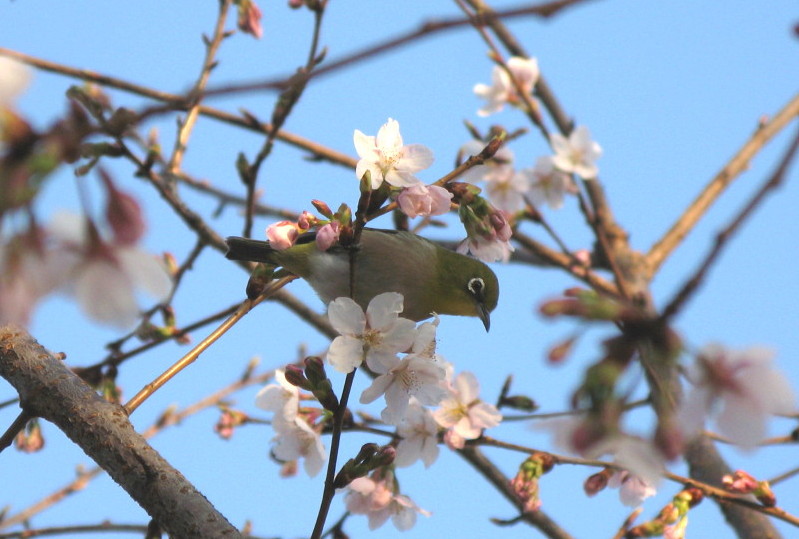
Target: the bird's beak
pixel 484 314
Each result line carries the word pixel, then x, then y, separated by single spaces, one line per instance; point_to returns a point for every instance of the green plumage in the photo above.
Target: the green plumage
pixel 431 278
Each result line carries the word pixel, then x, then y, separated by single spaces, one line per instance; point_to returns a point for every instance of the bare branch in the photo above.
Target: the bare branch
pixel 48 389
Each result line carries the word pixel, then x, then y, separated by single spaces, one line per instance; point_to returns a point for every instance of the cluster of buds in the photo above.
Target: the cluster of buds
pixel 525 483
pixel 371 457
pixel 488 230
pixel 313 378
pixel 335 228
pixel 229 419
pixel 672 519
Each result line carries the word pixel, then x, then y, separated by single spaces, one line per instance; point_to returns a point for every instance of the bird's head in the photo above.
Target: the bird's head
pixel 467 287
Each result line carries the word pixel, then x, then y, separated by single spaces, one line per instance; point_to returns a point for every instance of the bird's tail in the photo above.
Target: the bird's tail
pixel 247 249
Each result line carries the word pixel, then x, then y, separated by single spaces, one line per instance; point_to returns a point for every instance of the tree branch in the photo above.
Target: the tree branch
pixel 48 389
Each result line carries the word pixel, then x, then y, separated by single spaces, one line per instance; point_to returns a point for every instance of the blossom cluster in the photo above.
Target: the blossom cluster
pixel 550 179
pixel 410 376
pixel 71 255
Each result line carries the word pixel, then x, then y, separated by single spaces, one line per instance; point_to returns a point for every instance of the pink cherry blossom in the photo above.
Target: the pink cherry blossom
pixel 386 158
pixel 502 89
pixel 424 200
pixel 376 336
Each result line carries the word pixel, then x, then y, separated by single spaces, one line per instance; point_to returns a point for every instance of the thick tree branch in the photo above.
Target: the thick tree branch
pixel 48 389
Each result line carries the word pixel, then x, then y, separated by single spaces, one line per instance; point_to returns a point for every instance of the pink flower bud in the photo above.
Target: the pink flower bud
pixel 328 235
pixel 306 220
pixel 740 482
pixel 501 226
pixel 282 235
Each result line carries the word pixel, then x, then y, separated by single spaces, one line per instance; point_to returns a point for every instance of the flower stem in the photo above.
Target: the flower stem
pixel 329 491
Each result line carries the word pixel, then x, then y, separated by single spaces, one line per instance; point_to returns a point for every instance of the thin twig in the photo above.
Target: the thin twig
pixel 203 345
pixel 177 102
pixel 187 125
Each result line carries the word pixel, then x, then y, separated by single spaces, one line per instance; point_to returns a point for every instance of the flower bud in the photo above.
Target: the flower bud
pixel 282 235
pixel 322 208
pixel 597 482
pixel 123 213
pixel 295 377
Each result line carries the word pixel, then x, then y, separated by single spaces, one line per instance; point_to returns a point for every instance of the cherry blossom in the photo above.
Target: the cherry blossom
pixel 387 159
pixel 374 498
pixel 633 490
pixel 506 188
pixel 419 437
pixel 493 242
pixel 424 200
pixel 502 89
pixel 503 156
pixel 547 184
pixel 741 388
pixel 296 439
pixel 376 336
pixel 413 376
pixel 105 276
pixel 282 398
pixel 463 413
pixel 16 78
pixel 577 153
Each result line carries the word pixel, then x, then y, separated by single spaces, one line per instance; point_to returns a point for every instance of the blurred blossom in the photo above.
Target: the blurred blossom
pixel 632 489
pixel 104 276
pixel 502 89
pixel 249 18
pixel 387 159
pixel 742 389
pixel 503 156
pixel 576 154
pixel 374 497
pixel 548 185
pixel 424 200
pixel 14 79
pixel 506 188
pixel 28 272
pixel 123 214
pixel 296 439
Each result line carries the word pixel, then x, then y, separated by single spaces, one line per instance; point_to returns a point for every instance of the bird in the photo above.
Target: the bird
pixel 431 278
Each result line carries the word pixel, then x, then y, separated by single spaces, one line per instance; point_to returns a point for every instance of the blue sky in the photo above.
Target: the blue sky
pixel 670 91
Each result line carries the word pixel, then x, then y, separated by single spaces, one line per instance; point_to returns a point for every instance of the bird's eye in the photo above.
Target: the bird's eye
pixel 476 286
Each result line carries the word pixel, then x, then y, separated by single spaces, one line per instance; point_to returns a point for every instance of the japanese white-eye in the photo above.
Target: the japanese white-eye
pixel 432 279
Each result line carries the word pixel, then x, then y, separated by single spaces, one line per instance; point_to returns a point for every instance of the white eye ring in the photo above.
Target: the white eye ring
pixel 476 286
